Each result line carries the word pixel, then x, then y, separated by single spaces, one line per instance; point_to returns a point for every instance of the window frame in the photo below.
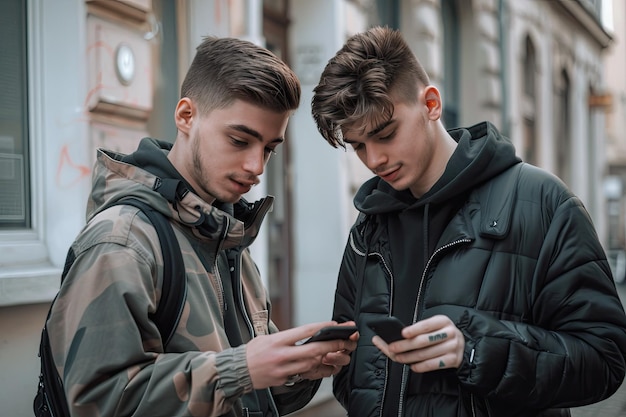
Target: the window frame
pixel 451 23
pixel 27 274
pixel 529 102
pixel 563 154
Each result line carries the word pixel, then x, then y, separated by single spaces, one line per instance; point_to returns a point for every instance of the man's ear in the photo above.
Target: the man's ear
pixel 433 102
pixel 184 115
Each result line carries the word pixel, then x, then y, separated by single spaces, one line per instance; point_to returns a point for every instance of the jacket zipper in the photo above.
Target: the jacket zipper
pixel 391 278
pixel 221 297
pixel 262 206
pixel 419 293
pixel 249 324
pixel 473 405
pixel 220 286
pixel 391 286
pixel 437 252
pixel 405 374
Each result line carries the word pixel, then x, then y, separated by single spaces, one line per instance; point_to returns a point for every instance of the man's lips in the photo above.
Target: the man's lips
pixel 245 186
pixel 388 175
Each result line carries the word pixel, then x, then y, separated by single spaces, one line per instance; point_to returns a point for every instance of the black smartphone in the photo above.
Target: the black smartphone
pixel 330 333
pixel 388 328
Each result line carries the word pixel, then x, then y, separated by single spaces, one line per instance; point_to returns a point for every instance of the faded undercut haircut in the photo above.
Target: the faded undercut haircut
pixel 358 83
pixel 226 69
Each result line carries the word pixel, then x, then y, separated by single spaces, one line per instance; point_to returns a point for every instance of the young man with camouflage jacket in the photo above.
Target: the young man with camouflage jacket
pixel 226 357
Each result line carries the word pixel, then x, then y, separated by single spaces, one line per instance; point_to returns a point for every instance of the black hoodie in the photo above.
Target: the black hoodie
pixel 480 155
pixel 415 225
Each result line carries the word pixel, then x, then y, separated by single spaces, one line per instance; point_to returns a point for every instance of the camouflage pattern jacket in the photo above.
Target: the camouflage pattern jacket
pixel 109 354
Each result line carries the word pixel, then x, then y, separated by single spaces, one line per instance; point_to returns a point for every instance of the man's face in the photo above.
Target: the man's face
pixel 401 151
pixel 229 149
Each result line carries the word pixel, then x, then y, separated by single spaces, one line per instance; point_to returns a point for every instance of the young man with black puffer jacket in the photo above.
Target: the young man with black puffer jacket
pixel 492 264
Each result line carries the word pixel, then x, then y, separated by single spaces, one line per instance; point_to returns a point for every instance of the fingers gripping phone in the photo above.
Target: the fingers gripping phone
pixel 330 333
pixel 388 328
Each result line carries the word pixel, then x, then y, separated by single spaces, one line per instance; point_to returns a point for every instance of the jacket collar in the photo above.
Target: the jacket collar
pixel 115 179
pixel 494 201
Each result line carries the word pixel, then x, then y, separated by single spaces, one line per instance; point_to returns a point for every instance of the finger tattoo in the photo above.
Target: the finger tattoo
pixel 441 364
pixel 437 337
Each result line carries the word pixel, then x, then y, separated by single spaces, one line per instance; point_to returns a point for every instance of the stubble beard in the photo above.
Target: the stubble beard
pixel 199 174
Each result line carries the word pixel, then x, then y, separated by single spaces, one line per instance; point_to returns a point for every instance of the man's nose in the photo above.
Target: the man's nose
pixel 375 157
pixel 255 161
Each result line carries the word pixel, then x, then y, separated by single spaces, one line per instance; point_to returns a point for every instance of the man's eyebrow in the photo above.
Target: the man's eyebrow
pixel 379 128
pixel 245 129
pixel 372 132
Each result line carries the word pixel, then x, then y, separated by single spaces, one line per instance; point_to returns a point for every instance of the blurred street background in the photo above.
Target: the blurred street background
pixel 79 75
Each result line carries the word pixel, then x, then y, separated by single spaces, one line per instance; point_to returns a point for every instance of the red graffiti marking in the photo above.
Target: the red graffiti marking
pixel 70 173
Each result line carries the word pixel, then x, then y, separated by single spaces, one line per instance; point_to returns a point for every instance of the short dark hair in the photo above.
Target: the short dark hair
pixel 226 69
pixel 358 82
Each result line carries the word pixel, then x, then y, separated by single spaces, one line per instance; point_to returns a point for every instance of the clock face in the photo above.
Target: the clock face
pixel 125 63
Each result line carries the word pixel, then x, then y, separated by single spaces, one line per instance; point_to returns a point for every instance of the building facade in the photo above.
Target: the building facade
pixel 76 75
pixel 615 182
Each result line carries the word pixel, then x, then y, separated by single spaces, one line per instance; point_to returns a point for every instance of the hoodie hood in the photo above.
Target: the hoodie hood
pixel 149 176
pixel 481 154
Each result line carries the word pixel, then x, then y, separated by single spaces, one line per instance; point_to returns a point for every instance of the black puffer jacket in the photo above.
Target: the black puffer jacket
pixel 520 271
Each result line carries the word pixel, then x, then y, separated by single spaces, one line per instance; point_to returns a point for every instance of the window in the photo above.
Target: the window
pixel 278 7
pixel 529 103
pixel 14 149
pixel 27 273
pixel 452 59
pixel 388 13
pixel 562 125
pixel 594 7
pixel 278 176
pixel 592 147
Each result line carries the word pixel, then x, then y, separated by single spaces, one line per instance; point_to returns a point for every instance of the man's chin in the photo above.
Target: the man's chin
pixel 230 198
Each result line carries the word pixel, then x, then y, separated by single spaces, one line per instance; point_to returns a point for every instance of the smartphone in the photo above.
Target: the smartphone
pixel 388 328
pixel 330 333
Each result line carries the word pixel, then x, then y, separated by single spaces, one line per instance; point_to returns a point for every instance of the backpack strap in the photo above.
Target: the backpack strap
pixel 174 289
pixel 50 400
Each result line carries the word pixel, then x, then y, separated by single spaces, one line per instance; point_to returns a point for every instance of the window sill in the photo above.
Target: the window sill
pixel 31 285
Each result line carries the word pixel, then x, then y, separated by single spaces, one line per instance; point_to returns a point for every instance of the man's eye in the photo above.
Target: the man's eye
pixel 388 137
pixel 357 146
pixel 270 151
pixel 238 142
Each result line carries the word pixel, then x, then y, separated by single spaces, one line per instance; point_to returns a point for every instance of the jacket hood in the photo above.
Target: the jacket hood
pixel 148 175
pixel 482 153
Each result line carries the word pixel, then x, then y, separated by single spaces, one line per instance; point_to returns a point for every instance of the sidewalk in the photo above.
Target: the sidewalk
pixel 327 408
pixel 614 406
pixel 323 404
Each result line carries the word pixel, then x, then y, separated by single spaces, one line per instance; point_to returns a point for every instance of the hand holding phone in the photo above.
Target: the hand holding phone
pixel 388 328
pixel 330 333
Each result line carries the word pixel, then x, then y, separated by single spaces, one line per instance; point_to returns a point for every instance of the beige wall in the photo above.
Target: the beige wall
pixel 71 44
pixel 20 329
